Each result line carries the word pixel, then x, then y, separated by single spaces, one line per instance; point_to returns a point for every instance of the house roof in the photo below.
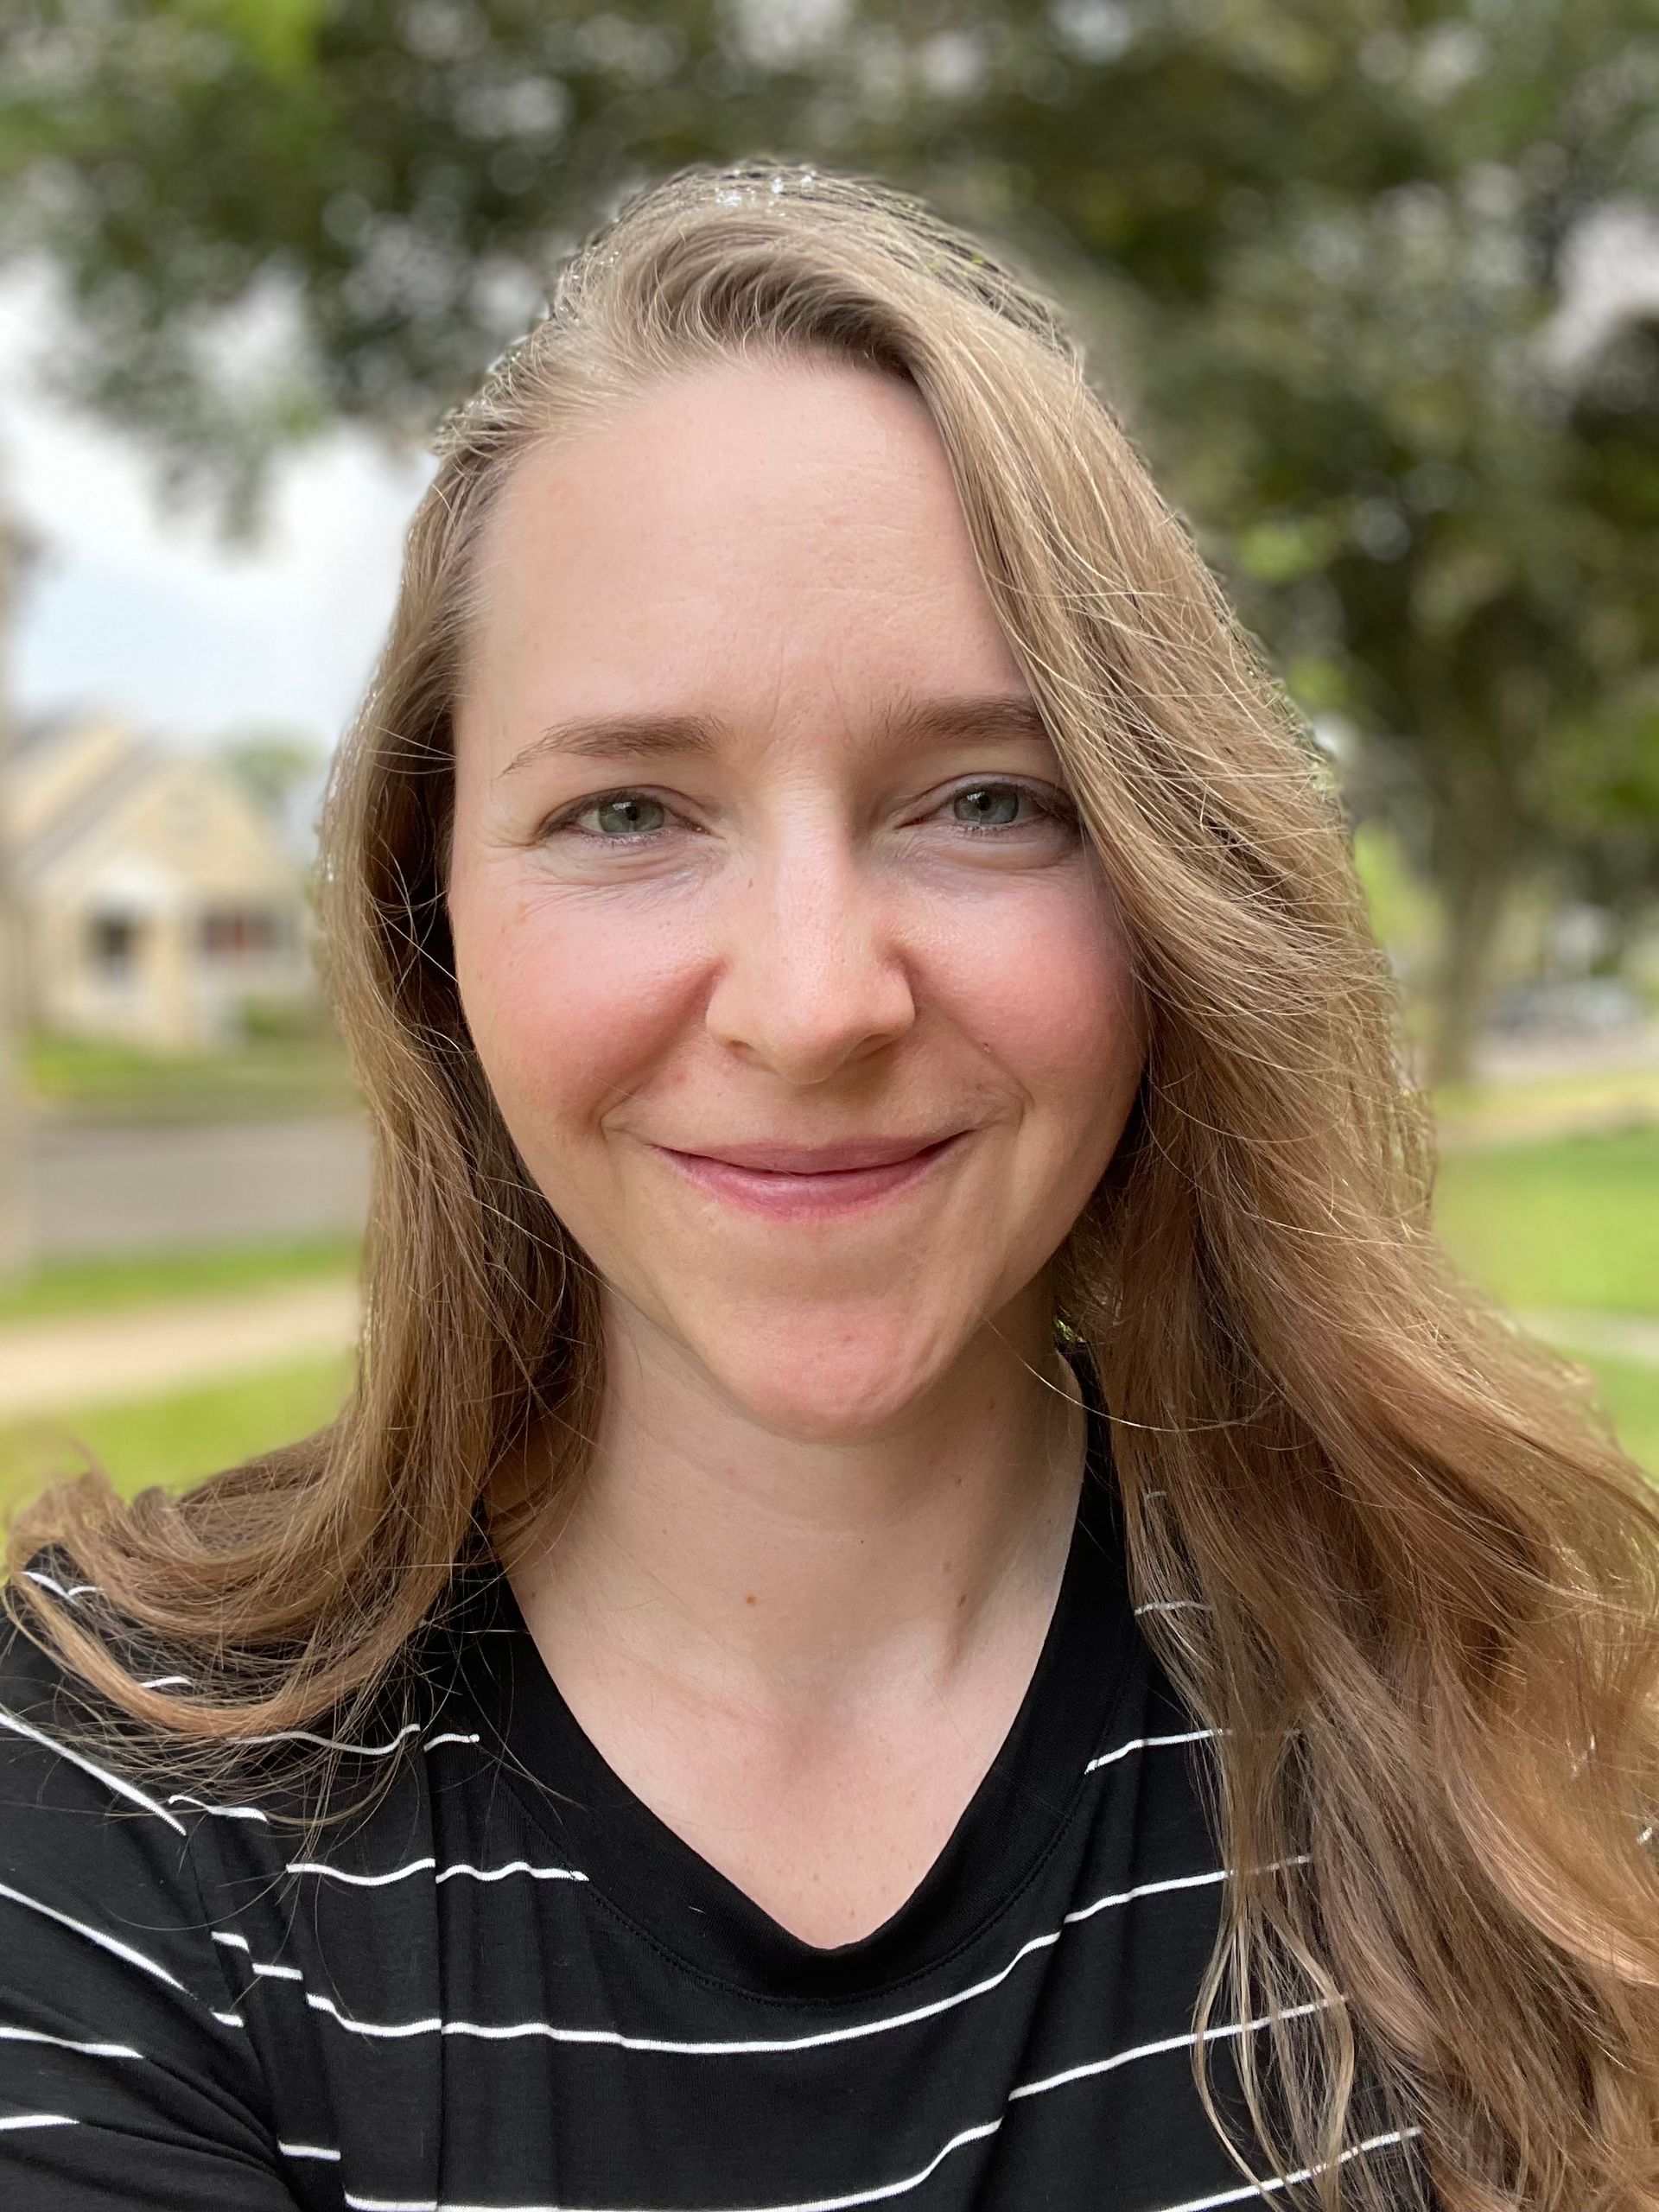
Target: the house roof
pixel 31 732
pixel 76 778
pixel 67 828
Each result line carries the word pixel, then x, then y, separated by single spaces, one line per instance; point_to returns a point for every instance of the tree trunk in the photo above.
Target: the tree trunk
pixel 15 1229
pixel 1472 901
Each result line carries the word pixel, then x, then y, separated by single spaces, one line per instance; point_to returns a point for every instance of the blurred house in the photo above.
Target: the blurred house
pixel 158 902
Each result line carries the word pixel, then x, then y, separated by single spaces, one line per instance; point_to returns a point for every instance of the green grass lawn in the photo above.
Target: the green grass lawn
pixel 72 1286
pixel 1629 1395
pixel 95 1079
pixel 177 1438
pixel 1570 1222
pixel 176 1441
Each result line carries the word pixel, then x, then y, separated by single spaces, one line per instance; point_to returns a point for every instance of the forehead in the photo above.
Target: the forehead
pixel 751 540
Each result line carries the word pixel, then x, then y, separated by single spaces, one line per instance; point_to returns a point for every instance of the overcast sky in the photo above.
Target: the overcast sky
pixel 137 604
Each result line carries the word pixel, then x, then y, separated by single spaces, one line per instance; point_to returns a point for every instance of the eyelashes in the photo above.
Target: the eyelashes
pixel 1050 806
pixel 1047 805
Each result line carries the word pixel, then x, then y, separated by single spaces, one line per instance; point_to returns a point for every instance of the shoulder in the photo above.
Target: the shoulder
pixel 101 1914
pixel 127 2073
pixel 86 1786
pixel 127 1852
pixel 76 1807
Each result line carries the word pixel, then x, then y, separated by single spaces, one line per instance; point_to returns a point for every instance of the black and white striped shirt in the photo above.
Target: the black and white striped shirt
pixel 509 1985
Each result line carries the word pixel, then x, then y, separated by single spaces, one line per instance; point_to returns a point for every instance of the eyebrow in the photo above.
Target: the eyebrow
pixel 984 718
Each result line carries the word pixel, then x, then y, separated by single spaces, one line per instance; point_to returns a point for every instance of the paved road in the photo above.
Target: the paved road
pixel 132 1189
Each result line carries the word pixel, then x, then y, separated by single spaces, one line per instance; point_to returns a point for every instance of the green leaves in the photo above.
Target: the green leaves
pixel 278 36
pixel 1322 246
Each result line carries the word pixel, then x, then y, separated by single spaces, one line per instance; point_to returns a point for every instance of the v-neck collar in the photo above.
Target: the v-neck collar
pixel 1090 1658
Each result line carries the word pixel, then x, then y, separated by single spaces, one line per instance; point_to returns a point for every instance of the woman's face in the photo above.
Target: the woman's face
pixel 762 857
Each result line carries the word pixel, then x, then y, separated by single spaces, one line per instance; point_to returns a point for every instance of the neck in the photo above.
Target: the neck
pixel 797 1573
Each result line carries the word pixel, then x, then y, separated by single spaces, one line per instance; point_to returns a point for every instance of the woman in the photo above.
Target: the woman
pixel 929 1593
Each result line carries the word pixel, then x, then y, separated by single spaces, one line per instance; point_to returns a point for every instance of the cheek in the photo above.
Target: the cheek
pixel 574 1004
pixel 568 1008
pixel 1046 989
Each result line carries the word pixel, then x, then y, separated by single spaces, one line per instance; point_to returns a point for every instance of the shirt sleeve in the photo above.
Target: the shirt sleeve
pixel 127 2084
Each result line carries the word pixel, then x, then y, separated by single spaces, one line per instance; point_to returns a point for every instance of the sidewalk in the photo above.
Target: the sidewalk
pixel 1633 1337
pixel 150 1352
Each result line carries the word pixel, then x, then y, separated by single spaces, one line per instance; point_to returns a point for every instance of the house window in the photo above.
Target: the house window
pixel 241 932
pixel 114 946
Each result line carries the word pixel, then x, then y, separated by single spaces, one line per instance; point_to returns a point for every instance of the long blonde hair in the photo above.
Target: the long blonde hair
pixel 1378 1541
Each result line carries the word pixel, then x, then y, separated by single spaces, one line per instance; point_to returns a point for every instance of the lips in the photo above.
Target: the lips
pixel 815 1185
pixel 784 1158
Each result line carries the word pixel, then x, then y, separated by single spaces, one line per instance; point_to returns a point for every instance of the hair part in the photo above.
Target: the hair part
pixel 1380 1543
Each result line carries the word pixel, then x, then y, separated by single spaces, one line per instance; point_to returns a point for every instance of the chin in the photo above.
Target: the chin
pixel 826 1374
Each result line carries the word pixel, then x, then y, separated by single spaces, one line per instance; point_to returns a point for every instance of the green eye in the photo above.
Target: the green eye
pixel 989 806
pixel 629 814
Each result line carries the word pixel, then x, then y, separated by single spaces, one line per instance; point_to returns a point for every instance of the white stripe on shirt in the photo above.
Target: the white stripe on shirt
pixel 11 2034
pixel 440 1874
pixel 1146 1743
pixel 885 2191
pixel 613 2038
pixel 95 1936
pixel 115 1782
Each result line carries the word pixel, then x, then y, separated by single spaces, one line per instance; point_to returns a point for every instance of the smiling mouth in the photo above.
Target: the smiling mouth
pixel 784 1159
pixel 808 1181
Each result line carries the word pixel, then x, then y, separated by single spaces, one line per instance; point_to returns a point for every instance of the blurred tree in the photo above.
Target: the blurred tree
pixel 1597 792
pixel 1600 797
pixel 283 771
pixel 271 765
pixel 1324 243
pixel 1347 230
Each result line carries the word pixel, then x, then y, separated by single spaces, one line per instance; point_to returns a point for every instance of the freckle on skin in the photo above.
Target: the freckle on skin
pixel 749 1600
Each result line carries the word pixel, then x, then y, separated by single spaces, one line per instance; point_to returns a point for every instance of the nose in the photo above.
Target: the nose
pixel 811 977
